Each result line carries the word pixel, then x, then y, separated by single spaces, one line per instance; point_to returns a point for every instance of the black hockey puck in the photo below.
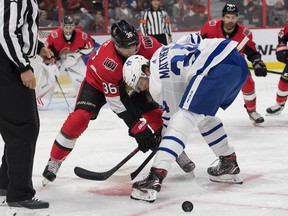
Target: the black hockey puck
pixel 187 206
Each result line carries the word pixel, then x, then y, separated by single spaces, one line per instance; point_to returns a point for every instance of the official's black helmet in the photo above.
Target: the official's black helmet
pixel 124 34
pixel 230 9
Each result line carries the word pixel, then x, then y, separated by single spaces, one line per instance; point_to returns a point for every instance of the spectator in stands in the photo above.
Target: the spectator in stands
pixel 278 14
pixel 74 6
pixel 43 21
pixel 180 11
pixel 51 7
pixel 122 11
pixel 99 23
pixel 254 12
pixel 199 14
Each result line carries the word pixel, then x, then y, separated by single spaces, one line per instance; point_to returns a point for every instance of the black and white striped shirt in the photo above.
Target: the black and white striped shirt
pixel 155 22
pixel 19 31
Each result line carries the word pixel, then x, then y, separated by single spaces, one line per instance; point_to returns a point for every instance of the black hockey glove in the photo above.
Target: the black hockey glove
pixel 282 53
pixel 259 68
pixel 144 136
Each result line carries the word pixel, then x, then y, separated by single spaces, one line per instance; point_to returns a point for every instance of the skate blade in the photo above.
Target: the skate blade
pixel 45 182
pixel 259 124
pixel 230 179
pixel 273 114
pixel 148 195
pixel 18 211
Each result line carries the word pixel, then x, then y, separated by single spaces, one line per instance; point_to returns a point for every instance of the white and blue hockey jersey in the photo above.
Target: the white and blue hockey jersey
pixel 173 66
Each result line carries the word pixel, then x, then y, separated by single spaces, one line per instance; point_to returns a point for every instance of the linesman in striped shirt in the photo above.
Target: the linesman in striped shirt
pixel 156 22
pixel 19 120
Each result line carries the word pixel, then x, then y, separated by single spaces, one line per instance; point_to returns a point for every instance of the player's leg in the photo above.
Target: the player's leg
pixel 281 95
pixel 153 116
pixel 249 96
pixel 227 170
pixel 76 74
pixel 211 128
pixel 171 146
pixel 88 105
pixel 45 86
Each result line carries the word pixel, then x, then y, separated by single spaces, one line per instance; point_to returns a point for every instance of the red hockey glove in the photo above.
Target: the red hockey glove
pixel 259 68
pixel 282 53
pixel 144 136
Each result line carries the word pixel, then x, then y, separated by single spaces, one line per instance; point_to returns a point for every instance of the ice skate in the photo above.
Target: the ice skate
pixel 255 117
pixel 148 188
pixel 50 171
pixel 275 109
pixel 32 207
pixel 3 193
pixel 185 163
pixel 226 171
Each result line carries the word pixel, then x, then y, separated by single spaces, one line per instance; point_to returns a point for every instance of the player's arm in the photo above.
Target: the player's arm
pixel 282 49
pixel 255 58
pixel 120 103
pixel 89 44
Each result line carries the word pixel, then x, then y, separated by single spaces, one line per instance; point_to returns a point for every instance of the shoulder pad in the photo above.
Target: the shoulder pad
pixel 147 42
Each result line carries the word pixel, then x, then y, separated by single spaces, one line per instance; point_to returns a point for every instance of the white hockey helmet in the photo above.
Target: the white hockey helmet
pixel 133 69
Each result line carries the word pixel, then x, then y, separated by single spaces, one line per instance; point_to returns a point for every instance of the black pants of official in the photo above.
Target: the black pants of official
pixel 161 38
pixel 19 128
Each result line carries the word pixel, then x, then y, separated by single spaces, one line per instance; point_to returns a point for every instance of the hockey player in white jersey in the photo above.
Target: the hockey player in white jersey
pixel 191 79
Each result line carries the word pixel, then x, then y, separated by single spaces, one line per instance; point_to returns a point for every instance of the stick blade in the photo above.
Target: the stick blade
pixel 90 175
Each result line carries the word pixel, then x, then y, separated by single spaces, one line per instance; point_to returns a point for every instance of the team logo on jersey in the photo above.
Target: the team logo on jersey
pixel 84 36
pixel 281 34
pixel 212 23
pixel 147 41
pixel 110 64
pixel 54 34
pixel 246 31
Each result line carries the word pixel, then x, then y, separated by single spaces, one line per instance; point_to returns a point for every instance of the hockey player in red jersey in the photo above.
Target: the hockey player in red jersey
pixel 282 56
pixel 68 45
pixel 228 28
pixel 103 84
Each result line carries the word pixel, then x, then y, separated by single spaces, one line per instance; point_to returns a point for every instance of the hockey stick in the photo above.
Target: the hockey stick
pixel 102 176
pixel 269 71
pixel 69 109
pixel 133 175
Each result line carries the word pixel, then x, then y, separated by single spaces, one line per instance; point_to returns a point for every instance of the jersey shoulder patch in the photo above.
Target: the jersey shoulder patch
pixel 246 31
pixel 147 42
pixel 54 34
pixel 212 22
pixel 110 64
pixel 84 36
pixel 281 34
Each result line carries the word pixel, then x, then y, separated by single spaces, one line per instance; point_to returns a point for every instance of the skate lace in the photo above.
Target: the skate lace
pixel 53 166
pixel 255 115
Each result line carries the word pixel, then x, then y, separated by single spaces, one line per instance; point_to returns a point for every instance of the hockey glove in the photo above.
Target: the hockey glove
pixel 282 53
pixel 144 136
pixel 259 68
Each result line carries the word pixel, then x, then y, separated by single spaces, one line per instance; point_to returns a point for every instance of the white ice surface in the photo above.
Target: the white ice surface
pixel 262 155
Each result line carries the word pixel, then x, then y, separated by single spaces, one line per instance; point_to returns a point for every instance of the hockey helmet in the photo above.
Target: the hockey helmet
pixel 124 34
pixel 230 9
pixel 133 69
pixel 68 27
